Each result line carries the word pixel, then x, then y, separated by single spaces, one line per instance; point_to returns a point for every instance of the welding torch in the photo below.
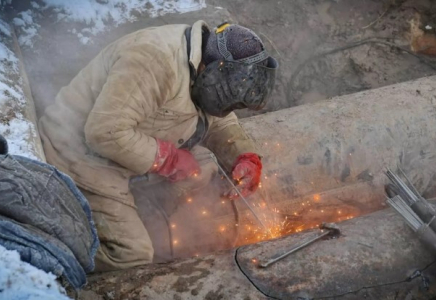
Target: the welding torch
pixel 239 193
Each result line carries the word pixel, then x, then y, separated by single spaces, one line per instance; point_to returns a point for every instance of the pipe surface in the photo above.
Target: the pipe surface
pixel 376 257
pixel 334 153
pixel 323 162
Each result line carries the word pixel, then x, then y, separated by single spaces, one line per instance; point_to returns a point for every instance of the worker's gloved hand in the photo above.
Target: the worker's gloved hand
pixel 246 171
pixel 175 164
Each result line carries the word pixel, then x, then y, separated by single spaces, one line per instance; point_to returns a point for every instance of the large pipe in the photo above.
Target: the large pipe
pixel 336 148
pixel 326 161
pixel 377 257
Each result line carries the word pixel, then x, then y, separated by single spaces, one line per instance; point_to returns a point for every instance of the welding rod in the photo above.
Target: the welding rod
pixel 239 193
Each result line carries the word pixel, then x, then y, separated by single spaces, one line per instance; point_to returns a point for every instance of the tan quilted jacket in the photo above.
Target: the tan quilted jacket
pixel 101 128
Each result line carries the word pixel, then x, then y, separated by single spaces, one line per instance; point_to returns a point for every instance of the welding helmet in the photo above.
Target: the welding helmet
pixel 227 84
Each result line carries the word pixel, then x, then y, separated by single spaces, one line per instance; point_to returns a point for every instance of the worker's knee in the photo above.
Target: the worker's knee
pixel 124 241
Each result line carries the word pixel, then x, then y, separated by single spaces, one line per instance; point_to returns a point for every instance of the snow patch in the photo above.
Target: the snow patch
pixel 27 28
pixel 18 131
pixel 4 28
pixel 8 55
pixel 96 15
pixel 34 4
pixel 20 280
pixel 15 132
pixel 10 90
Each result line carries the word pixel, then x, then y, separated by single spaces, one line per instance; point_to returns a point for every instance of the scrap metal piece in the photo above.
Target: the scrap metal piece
pixel 332 230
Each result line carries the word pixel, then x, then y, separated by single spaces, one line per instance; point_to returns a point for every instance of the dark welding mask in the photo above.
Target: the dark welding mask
pixel 229 84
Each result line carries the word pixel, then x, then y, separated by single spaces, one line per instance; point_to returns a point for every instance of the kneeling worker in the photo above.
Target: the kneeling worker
pixel 157 101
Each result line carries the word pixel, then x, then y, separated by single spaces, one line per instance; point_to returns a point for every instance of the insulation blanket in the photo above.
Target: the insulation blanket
pixel 46 219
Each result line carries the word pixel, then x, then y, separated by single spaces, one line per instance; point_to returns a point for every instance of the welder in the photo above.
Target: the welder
pixel 157 101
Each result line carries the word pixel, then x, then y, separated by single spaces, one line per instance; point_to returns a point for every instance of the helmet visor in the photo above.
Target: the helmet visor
pixel 230 85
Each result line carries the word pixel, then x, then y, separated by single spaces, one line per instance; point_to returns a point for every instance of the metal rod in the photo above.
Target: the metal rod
pixel 409 215
pixel 274 260
pixel 411 196
pixel 412 187
pixel 239 193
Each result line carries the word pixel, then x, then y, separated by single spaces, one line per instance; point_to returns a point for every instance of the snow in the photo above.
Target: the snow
pixel 18 22
pixel 26 16
pixel 28 28
pixel 14 132
pixel 8 55
pixel 34 4
pixel 10 90
pixel 4 28
pixel 96 15
pixel 22 281
pixel 17 130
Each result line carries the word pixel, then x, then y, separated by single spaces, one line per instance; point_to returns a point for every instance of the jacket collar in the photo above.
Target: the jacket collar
pixel 196 41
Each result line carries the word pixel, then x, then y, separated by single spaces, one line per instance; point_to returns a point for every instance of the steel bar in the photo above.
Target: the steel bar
pixel 411 196
pixel 274 260
pixel 408 214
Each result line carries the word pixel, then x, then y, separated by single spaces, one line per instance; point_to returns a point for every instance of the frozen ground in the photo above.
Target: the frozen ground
pixel 95 15
pixel 22 281
pixel 13 124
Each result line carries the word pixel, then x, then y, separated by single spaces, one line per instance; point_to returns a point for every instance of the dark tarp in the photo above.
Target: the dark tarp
pixel 46 219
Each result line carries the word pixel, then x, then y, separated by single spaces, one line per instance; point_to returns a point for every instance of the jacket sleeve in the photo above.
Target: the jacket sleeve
pixel 227 140
pixel 137 85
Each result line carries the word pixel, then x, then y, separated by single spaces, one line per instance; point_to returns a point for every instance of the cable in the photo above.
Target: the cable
pixel 431 63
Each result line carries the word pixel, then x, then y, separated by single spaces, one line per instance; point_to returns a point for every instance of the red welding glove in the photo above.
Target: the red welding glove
pixel 175 164
pixel 246 171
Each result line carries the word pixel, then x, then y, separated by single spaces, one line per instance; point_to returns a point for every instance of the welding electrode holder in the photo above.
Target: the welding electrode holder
pixel 239 193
